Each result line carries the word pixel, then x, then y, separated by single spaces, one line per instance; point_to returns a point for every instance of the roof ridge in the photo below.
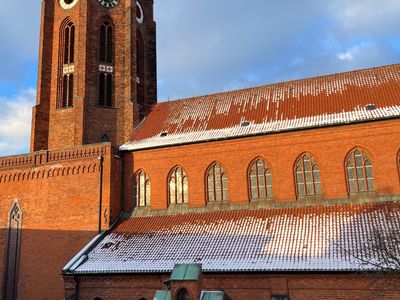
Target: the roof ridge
pixel 277 84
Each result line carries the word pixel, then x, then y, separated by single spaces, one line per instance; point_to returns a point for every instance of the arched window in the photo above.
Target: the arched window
pixel 217 183
pixel 142 189
pixel 106 65
pixel 183 294
pixel 359 172
pixel 106 43
pixel 308 179
pixel 67 56
pixel 69 43
pixel 178 186
pixel 140 68
pixel 13 252
pixel 260 180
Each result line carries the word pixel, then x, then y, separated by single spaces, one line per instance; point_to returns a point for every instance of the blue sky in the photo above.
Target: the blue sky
pixel 211 46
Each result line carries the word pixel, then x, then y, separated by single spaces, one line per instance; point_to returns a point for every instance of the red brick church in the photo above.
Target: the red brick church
pixel 277 192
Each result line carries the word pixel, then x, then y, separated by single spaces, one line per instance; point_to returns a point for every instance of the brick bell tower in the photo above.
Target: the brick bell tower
pixel 97 71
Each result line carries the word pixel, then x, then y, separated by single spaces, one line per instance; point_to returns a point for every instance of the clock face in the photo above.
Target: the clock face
pixel 109 3
pixel 67 4
pixel 139 13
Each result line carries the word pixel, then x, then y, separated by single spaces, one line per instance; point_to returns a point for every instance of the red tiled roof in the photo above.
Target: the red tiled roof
pixel 287 239
pixel 321 101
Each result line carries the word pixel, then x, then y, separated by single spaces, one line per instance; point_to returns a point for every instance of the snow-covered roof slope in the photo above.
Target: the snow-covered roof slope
pixel 287 239
pixel 357 96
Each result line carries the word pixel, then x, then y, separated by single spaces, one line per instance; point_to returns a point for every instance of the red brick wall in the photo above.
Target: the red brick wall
pixel 58 194
pixel 244 286
pixel 329 146
pixel 86 122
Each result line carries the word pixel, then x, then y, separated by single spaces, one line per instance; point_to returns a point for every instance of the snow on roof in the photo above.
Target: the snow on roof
pixel 357 96
pixel 285 239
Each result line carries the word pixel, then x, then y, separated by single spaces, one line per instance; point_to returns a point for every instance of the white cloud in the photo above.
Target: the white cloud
pixel 15 124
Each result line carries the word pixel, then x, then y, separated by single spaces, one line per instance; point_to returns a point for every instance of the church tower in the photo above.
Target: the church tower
pixel 97 71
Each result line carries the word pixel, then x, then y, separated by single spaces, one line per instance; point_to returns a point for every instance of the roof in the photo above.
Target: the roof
pixel 308 103
pixel 162 295
pixel 212 295
pixel 186 272
pixel 286 239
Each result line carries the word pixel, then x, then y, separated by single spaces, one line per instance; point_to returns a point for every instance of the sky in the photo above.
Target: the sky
pixel 211 46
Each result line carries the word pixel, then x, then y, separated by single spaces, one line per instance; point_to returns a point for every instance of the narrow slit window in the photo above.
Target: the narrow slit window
pixel 307 175
pixel 13 253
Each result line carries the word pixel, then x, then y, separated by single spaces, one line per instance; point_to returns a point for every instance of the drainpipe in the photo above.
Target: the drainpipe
pixel 101 159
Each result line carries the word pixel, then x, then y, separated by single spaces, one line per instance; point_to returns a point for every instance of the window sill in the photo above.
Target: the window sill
pixel 64 108
pixel 106 107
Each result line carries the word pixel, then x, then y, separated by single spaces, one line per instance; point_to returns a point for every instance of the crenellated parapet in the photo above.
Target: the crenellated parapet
pixel 53 163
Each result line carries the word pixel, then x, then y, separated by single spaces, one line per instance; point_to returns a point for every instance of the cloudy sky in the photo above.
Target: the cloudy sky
pixel 210 46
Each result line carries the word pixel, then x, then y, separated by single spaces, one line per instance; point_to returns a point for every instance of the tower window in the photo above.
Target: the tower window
pixel 67 56
pixel 178 186
pixel 69 43
pixel 105 89
pixel 106 68
pixel 308 179
pixel 359 172
pixel 142 189
pixel 260 180
pixel 217 183
pixel 68 90
pixel 106 43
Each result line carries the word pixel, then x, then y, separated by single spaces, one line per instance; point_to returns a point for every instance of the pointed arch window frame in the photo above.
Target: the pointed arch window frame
pixel 359 172
pixel 178 186
pixel 66 78
pixel 106 62
pixel 216 179
pixel 142 189
pixel 307 175
pixel 13 250
pixel 259 178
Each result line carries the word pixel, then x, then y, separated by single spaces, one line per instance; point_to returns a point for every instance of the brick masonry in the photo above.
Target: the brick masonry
pixel 238 286
pixel 58 192
pixel 329 146
pixel 86 122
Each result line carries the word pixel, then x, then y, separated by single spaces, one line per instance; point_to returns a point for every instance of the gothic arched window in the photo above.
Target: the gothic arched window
pixel 69 43
pixel 106 65
pixel 142 189
pixel 308 179
pixel 178 186
pixel 217 183
pixel 67 56
pixel 106 43
pixel 359 172
pixel 260 180
pixel 183 294
pixel 13 252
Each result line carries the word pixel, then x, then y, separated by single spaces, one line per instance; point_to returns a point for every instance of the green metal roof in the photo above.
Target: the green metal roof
pixel 162 295
pixel 212 296
pixel 186 272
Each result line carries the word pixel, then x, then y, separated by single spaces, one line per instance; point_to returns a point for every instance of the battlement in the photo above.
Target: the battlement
pixel 40 158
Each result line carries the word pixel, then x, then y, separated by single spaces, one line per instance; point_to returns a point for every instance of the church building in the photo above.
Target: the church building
pixel 284 191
